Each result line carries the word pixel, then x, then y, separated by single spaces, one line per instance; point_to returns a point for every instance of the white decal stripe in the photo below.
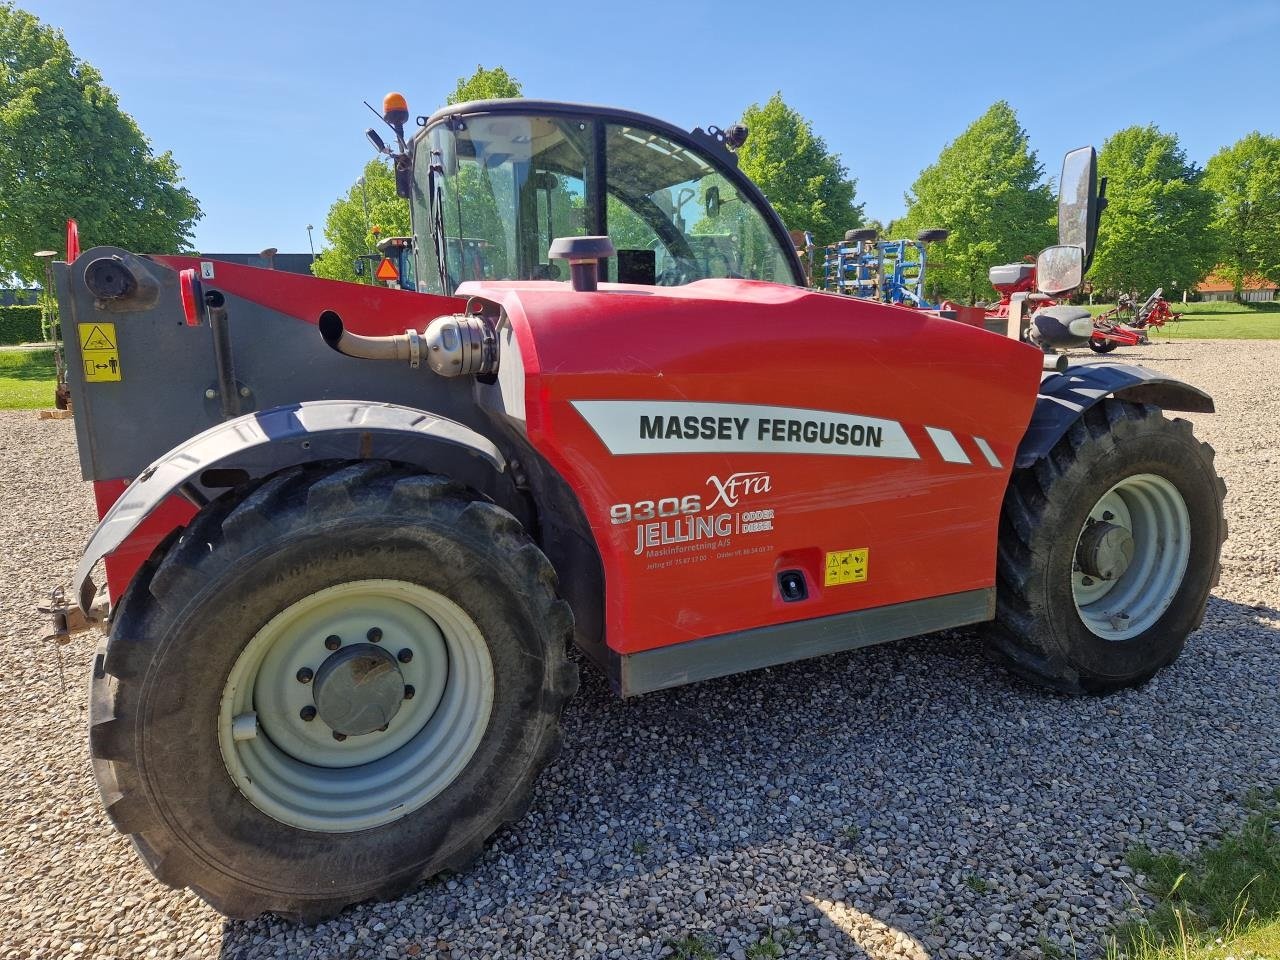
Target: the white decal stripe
pixel 988 452
pixel 664 426
pixel 947 444
pixel 1058 400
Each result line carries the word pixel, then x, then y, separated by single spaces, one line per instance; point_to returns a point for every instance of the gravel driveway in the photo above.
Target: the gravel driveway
pixel 904 801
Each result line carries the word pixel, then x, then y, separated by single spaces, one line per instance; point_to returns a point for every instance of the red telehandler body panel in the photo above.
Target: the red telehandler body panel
pixel 923 505
pixel 881 435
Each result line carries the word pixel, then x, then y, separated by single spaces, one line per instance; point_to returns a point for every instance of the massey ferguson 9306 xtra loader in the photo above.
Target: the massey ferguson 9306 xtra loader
pixel 349 532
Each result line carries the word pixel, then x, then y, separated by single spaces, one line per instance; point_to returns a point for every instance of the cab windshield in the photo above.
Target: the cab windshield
pixel 498 189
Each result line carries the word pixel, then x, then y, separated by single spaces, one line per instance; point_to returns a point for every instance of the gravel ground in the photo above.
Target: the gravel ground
pixel 904 801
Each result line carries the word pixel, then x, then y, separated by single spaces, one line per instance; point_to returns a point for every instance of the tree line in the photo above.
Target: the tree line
pixel 1168 222
pixel 66 148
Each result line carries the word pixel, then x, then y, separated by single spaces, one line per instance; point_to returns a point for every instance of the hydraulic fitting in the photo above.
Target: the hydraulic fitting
pixel 461 345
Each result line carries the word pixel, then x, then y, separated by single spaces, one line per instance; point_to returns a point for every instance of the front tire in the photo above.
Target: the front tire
pixel 1102 346
pixel 1108 548
pixel 329 689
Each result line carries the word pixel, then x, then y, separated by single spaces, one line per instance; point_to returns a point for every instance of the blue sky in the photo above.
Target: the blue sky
pixel 261 101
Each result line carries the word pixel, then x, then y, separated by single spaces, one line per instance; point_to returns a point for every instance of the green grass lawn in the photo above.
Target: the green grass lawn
pixel 1223 902
pixel 27 379
pixel 1219 321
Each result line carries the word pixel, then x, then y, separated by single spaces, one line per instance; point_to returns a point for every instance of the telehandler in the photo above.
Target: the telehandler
pixel 349 530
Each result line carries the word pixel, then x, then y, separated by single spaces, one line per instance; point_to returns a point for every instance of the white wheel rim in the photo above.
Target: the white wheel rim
pixel 294 769
pixel 1153 512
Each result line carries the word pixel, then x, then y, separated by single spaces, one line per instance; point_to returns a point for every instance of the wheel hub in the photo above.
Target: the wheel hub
pixel 1131 556
pixel 1105 550
pixel 327 732
pixel 358 689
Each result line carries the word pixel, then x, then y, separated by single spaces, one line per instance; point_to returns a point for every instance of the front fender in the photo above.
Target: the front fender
pixel 259 444
pixel 1064 397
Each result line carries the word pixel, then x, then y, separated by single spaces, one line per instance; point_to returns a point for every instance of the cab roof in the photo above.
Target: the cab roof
pixel 523 105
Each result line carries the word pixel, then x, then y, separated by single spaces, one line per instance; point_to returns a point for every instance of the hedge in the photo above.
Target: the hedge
pixel 19 324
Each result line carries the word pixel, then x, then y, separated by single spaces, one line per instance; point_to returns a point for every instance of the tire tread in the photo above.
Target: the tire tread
pixel 232 525
pixel 1015 636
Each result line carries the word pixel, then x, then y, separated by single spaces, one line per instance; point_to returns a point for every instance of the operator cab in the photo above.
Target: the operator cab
pixel 495 182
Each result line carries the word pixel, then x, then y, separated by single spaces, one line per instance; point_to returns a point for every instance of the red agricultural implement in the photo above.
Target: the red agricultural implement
pixel 1124 325
pixel 1121 326
pixel 349 531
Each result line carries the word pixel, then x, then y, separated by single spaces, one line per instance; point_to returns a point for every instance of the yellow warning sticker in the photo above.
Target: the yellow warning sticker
pixel 99 352
pixel 846 566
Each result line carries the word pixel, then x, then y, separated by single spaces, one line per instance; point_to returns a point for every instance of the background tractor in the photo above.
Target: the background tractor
pixel 349 531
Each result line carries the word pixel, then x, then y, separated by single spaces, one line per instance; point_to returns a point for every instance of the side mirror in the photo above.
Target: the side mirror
pixel 1059 269
pixel 1079 202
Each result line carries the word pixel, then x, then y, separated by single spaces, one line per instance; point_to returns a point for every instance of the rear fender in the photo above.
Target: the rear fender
pixel 260 444
pixel 1064 397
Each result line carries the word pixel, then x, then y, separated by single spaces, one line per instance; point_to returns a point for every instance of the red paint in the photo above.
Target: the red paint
pixel 1112 327
pixel 1118 334
pixel 372 311
pixel 123 564
pixel 930 525
pixel 973 316
pixel 73 241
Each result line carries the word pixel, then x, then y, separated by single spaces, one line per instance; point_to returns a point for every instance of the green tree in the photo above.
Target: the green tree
pixel 806 183
pixel 68 150
pixel 1156 228
pixel 348 229
pixel 486 84
pixel 986 188
pixel 1245 181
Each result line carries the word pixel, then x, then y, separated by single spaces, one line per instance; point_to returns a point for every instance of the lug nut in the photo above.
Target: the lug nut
pixel 374 634
pixel 305 675
pixel 339 736
pixel 332 642
pixel 409 692
pixel 307 713
pixel 405 655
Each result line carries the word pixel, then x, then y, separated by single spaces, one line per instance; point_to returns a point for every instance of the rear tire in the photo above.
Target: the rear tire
pixel 1058 622
pixel 164 690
